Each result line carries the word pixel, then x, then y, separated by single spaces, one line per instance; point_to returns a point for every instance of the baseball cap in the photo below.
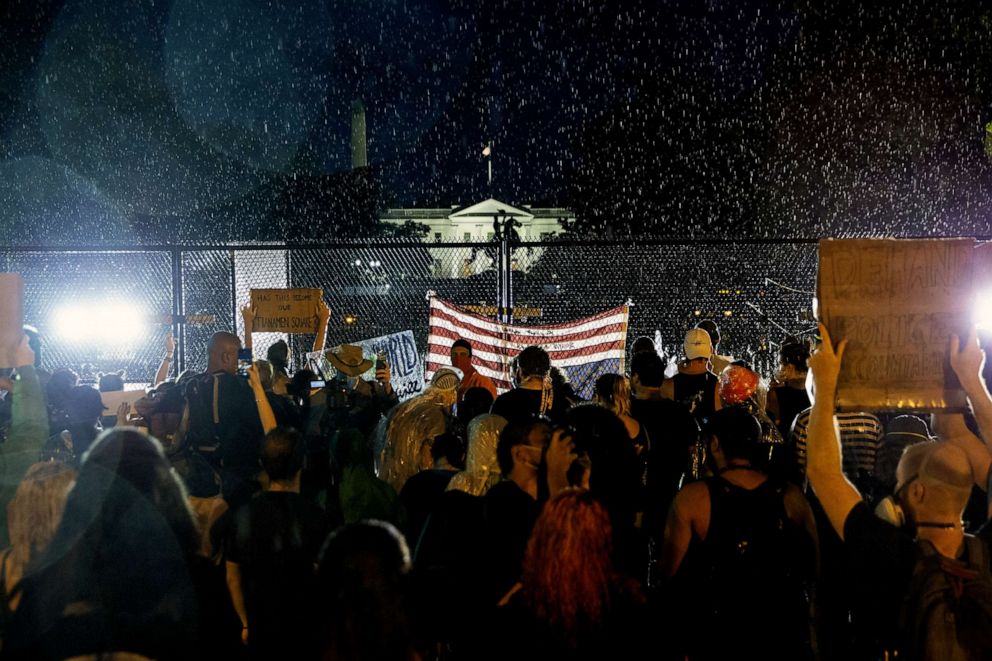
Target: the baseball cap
pixel 697 344
pixel 901 433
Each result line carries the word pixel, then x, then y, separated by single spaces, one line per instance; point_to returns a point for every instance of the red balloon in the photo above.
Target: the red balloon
pixel 737 384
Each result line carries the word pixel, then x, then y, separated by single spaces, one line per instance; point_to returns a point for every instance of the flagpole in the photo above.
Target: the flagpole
pixel 487 151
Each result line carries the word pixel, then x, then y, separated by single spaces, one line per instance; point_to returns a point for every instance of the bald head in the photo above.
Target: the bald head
pixel 944 473
pixel 222 353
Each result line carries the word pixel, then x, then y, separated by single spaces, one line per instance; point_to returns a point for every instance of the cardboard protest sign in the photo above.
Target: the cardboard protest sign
pixel 112 400
pixel 285 310
pixel 896 302
pixel 983 269
pixel 11 316
pixel 405 364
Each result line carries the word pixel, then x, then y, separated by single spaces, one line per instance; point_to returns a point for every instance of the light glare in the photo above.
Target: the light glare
pixel 982 314
pixel 100 322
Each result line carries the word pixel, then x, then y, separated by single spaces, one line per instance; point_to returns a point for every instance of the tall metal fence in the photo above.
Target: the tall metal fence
pixel 756 290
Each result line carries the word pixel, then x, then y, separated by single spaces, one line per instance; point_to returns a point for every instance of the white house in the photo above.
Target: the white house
pixel 474 224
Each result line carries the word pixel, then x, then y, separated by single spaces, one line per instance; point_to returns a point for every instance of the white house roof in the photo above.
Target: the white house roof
pixel 488 209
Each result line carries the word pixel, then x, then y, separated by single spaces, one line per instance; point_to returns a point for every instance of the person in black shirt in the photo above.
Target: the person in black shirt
pixel 695 386
pixel 673 433
pixel 787 396
pixel 224 425
pixel 421 493
pixel 271 552
pixel 535 395
pixel 934 482
pixel 742 549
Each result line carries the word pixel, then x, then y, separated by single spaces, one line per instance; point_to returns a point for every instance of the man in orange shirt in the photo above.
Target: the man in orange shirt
pixel 461 357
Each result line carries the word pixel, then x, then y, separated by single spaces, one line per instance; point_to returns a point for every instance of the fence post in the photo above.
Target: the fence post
pixel 234 294
pixel 506 236
pixel 178 310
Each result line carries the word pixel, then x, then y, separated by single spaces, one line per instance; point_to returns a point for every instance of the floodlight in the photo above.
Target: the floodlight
pixel 100 322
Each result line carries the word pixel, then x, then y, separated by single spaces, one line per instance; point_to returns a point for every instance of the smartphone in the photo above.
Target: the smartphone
pixel 380 361
pixel 244 362
pixel 318 384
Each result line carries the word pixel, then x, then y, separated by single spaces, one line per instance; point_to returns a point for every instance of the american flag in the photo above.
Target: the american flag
pixel 583 349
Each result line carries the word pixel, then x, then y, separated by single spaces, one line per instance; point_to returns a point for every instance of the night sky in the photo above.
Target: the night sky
pixel 121 119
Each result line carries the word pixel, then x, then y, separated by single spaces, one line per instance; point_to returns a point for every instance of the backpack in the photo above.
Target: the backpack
pixel 947 613
pixel 201 418
pixel 757 575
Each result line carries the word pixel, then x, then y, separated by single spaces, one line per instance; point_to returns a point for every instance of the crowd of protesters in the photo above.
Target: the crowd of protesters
pixel 712 513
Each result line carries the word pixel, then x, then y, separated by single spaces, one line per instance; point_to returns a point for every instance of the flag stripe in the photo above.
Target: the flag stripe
pixel 495 356
pixel 445 327
pixel 583 349
pixel 490 327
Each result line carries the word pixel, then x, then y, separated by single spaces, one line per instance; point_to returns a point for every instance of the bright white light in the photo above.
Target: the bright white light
pixel 107 322
pixel 982 314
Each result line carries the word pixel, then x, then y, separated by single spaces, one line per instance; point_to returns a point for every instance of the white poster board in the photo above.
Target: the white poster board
pixel 405 364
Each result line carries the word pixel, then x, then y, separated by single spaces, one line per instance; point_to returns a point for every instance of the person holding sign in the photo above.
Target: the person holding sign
pixel 28 428
pixel 321 314
pixel 918 542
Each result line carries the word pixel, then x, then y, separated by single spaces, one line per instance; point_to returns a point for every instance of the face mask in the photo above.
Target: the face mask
pixel 890 510
pixel 534 451
pixel 462 362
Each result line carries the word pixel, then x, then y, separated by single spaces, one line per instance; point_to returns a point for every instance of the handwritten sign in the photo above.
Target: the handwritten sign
pixel 11 316
pixel 405 364
pixel 896 302
pixel 285 310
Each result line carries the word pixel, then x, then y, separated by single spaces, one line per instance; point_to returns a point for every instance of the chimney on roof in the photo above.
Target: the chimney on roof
pixel 359 150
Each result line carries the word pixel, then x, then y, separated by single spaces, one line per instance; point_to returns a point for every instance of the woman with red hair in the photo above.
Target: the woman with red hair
pixel 571 602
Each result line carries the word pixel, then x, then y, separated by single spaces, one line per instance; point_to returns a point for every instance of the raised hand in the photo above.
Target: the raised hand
pixel 825 362
pixel 23 355
pixel 254 380
pixel 967 360
pixel 122 412
pixel 170 343
pixel 559 457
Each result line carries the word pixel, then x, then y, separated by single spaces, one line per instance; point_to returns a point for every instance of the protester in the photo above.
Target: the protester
pixel 223 421
pixel 351 401
pixel 673 432
pixel 461 357
pixel 271 553
pixel 365 608
pixel 534 393
pixel 744 548
pixel 402 440
pixel 911 580
pixel 694 386
pixel 121 573
pixel 33 515
pixel 787 396
pixel 613 392
pixel 421 493
pixel 571 602
pixel 28 430
pixel 718 363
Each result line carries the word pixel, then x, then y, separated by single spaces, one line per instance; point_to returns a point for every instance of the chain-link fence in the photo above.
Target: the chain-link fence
pixel 107 310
